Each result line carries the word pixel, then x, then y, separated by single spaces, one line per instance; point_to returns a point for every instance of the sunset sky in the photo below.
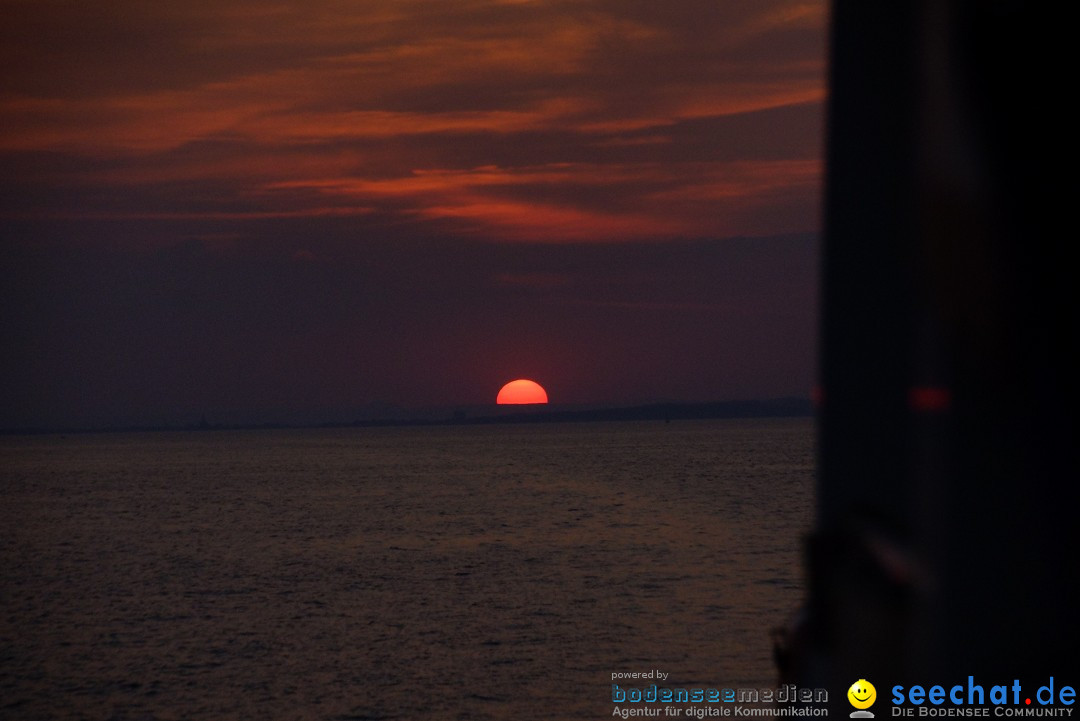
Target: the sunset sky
pixel 297 212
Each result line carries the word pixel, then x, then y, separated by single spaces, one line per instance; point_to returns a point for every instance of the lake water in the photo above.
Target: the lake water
pixel 467 572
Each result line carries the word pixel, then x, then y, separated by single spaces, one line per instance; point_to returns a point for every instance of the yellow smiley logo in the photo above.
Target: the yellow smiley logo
pixel 862 694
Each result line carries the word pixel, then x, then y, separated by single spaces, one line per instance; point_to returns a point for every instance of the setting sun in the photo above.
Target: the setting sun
pixel 521 391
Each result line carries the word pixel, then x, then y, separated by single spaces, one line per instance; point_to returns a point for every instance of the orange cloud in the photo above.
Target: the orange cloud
pixel 537 222
pixel 694 199
pixel 503 119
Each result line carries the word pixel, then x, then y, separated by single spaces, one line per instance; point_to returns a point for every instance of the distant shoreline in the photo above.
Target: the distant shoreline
pixel 771 408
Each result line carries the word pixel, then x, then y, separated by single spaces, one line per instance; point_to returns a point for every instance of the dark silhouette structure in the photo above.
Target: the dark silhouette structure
pixel 946 534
